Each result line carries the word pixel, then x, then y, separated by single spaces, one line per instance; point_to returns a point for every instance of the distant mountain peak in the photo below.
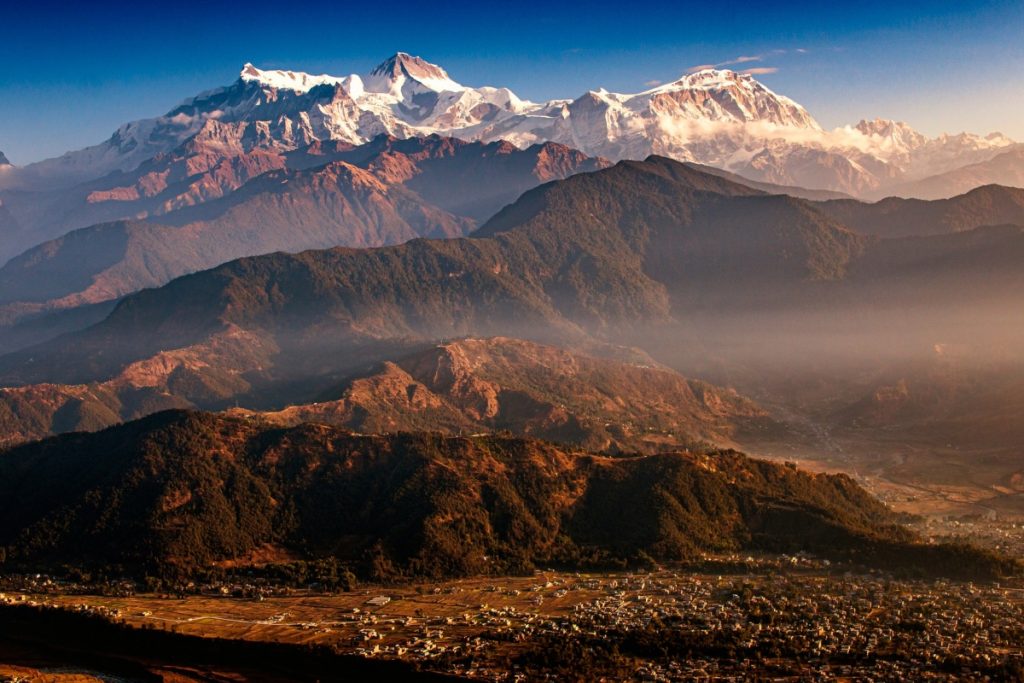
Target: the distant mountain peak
pixel 886 128
pixel 714 77
pixel 3 160
pixel 723 94
pixel 393 72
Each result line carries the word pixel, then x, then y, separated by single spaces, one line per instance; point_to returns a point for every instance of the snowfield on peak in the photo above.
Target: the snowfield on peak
pixel 715 117
pixel 286 80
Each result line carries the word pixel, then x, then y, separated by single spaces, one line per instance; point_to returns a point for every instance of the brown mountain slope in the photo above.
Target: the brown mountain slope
pixel 471 179
pixel 177 492
pixel 652 254
pixel 385 192
pixel 896 217
pixel 203 374
pixel 222 157
pixel 597 251
pixel 708 241
pixel 482 385
pixel 214 162
pixel 281 210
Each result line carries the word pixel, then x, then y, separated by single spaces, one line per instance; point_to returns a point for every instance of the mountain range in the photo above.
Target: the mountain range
pixel 398 252
pixel 190 217
pixel 592 251
pixel 602 403
pixel 687 265
pixel 716 117
pixel 385 192
pixel 313 330
pixel 602 400
pixel 283 160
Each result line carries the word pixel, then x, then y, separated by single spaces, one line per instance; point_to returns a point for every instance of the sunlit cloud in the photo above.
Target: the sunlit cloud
pixel 652 83
pixel 743 59
pixel 747 59
pixel 760 70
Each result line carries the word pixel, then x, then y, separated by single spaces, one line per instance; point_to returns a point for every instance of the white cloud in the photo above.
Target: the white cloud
pixel 743 59
pixel 746 59
pixel 760 70
pixel 652 83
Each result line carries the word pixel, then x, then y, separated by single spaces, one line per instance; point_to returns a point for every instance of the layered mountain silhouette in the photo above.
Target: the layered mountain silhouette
pixel 896 217
pixel 619 400
pixel 385 192
pixel 639 242
pixel 716 279
pixel 592 251
pixel 1005 168
pixel 203 210
pixel 486 385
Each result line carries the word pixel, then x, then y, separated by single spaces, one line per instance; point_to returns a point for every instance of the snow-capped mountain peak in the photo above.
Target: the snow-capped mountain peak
pixel 717 117
pixel 711 79
pixel 722 95
pixel 393 73
pixel 899 132
pixel 286 80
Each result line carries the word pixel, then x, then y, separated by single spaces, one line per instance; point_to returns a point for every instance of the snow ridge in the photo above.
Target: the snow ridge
pixel 714 116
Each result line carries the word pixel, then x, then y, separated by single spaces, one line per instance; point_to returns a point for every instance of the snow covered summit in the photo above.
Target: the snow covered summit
pixel 712 116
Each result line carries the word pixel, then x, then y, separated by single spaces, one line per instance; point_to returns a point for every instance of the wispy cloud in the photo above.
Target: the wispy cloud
pixel 743 59
pixel 652 83
pixel 760 70
pixel 747 59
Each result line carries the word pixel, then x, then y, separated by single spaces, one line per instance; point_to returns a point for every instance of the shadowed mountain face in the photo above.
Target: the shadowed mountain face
pixel 323 195
pixel 895 217
pixel 593 252
pixel 212 165
pixel 281 210
pixel 389 191
pixel 715 279
pixel 179 491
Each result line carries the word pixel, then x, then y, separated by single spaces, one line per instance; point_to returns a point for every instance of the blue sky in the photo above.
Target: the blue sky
pixel 69 75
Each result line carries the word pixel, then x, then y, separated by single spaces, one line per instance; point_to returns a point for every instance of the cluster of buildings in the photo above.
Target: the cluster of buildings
pixel 803 625
pixel 1001 534
pixel 790 617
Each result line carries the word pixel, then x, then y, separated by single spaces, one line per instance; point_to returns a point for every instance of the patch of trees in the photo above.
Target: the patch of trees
pixel 178 493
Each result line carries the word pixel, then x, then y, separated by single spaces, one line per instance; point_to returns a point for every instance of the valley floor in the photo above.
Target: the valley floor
pixel 918 479
pixel 790 618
